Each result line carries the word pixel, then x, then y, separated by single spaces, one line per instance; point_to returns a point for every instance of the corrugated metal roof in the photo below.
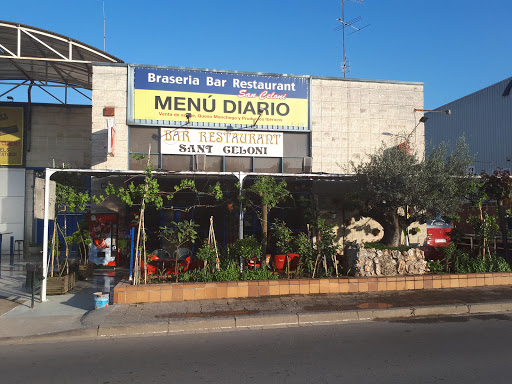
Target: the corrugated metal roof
pixel 34 54
pixel 485 119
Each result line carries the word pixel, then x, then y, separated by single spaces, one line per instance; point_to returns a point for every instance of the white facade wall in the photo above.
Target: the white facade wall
pixel 351 118
pixel 109 90
pixel 12 205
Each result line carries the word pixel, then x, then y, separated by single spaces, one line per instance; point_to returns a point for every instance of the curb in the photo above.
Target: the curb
pixel 183 326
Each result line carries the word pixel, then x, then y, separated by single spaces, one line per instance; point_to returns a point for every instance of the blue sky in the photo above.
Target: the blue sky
pixel 455 47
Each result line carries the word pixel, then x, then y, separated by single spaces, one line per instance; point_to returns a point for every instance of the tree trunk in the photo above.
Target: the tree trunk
pixel 503 229
pixel 392 230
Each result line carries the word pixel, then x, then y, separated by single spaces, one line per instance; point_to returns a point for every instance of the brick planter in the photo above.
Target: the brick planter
pixel 125 293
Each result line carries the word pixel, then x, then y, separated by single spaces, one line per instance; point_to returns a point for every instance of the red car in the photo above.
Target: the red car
pixel 438 232
pixel 438 235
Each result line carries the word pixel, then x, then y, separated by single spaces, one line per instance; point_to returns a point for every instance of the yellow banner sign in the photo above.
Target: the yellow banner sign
pixel 220 99
pixel 11 136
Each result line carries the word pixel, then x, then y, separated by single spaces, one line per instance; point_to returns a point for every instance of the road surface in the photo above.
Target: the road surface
pixel 468 349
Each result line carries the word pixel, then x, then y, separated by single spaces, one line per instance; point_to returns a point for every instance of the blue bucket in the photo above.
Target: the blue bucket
pixel 100 300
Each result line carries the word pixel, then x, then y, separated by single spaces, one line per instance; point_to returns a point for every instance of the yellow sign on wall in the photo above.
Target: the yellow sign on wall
pixel 219 99
pixel 11 136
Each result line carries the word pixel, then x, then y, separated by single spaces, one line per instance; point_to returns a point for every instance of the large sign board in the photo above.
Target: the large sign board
pixel 180 141
pixel 165 96
pixel 11 136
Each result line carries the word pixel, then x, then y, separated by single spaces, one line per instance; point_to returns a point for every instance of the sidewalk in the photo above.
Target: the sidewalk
pixel 59 313
pixel 72 316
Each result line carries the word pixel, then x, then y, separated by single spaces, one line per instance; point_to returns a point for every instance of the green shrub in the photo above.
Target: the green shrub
pixel 436 266
pixel 257 274
pixel 282 235
pixel 302 245
pixel 231 273
pixel 207 253
pixel 247 248
pixel 381 247
pixel 464 263
pixel 199 275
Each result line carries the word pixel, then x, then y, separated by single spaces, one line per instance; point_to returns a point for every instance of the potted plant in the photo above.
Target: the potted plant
pixel 178 234
pixel 81 239
pixel 207 254
pixel 249 249
pixel 59 279
pixel 284 257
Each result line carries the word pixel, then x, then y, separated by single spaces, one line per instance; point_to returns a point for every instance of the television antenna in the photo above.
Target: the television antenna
pixel 352 29
pixel 104 30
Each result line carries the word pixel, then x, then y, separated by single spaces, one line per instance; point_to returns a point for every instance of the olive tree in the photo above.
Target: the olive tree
pixel 397 188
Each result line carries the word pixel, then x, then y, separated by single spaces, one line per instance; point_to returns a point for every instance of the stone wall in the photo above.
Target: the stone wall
pixel 361 261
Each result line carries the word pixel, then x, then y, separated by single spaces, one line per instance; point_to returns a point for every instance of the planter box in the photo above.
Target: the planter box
pixel 59 285
pixel 125 293
pixel 85 271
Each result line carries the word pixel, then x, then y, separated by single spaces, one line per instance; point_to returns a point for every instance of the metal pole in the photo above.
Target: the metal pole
pixel 104 30
pixel 241 176
pixel 11 260
pixel 33 287
pixel 49 172
pixel 343 27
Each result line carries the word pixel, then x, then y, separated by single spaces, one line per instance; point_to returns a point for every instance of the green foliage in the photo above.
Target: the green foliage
pixel 436 266
pixel 265 194
pixel 147 192
pixel 498 187
pixel 231 273
pixel 485 229
pixel 302 245
pixel 282 236
pixel 179 233
pixel 216 191
pixel 122 245
pixel 381 247
pixel 200 275
pixel 257 274
pixel 458 261
pixel 269 190
pixel 207 253
pixel 492 263
pixel 397 189
pixel 326 245
pixel 247 248
pixel 69 197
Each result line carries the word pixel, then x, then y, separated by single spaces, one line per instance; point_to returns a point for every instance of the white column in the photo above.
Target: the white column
pixel 49 172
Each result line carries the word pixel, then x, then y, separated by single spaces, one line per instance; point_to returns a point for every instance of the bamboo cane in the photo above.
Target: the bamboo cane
pixel 136 270
pixel 212 236
pixel 145 253
pixel 53 244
